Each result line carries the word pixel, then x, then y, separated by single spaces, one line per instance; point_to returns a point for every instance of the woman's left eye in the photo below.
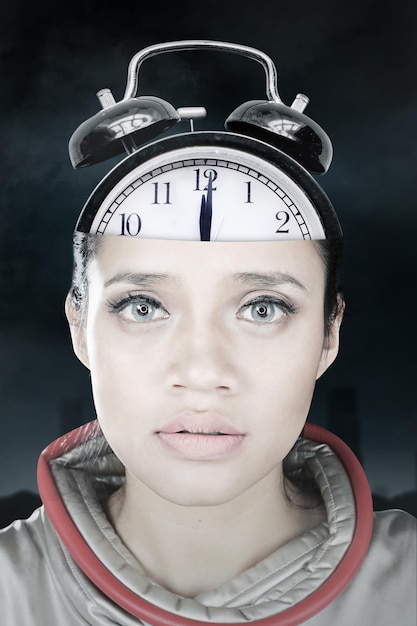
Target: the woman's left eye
pixel 140 309
pixel 265 310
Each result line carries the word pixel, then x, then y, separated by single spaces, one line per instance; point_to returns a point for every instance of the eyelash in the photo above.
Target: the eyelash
pixel 119 305
pixel 285 307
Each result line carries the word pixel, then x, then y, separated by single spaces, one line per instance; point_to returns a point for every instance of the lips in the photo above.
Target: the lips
pixel 200 435
pixel 199 424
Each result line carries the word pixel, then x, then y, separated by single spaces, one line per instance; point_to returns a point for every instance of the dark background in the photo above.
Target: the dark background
pixel 357 63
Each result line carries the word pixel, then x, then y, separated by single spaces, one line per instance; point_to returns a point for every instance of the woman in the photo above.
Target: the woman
pixel 197 496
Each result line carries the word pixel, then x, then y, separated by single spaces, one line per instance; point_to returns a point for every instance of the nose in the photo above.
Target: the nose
pixel 201 357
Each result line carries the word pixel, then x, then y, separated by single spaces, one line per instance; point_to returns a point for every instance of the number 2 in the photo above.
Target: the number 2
pixel 282 216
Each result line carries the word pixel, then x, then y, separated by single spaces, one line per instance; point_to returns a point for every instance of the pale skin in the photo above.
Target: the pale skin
pixel 224 341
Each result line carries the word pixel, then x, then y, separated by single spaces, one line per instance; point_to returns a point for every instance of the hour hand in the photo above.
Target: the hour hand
pixel 206 212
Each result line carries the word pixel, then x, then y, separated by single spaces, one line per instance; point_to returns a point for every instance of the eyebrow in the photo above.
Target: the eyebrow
pixel 140 278
pixel 268 279
pixel 261 279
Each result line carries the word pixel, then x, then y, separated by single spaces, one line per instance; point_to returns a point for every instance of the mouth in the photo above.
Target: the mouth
pixel 200 436
pixel 210 433
pixel 199 423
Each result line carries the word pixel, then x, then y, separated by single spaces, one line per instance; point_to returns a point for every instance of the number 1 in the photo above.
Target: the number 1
pixel 249 192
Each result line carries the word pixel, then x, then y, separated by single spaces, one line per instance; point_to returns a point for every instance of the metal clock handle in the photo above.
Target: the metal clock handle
pixel 195 44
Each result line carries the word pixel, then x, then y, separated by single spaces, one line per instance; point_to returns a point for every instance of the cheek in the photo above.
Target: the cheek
pixel 114 379
pixel 121 403
pixel 287 375
pixel 125 374
pixel 112 372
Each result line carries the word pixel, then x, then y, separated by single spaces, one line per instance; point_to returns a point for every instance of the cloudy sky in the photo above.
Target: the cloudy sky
pixel 357 63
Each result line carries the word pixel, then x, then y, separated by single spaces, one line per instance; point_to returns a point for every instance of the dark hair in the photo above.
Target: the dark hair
pixel 331 252
pixel 85 249
pixel 295 465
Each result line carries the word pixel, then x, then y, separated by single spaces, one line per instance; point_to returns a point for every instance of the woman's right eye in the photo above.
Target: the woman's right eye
pixel 139 309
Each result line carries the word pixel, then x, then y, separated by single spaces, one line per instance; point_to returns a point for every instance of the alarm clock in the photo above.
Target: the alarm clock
pixel 252 182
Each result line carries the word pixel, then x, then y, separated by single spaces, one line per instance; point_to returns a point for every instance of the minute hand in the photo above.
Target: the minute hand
pixel 206 211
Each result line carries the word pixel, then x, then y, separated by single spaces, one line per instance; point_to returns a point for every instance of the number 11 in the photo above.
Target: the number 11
pixel 156 193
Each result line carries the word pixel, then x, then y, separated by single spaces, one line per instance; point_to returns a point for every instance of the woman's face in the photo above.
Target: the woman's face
pixel 203 360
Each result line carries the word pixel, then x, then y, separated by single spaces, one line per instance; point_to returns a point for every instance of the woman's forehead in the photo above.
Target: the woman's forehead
pixel 118 256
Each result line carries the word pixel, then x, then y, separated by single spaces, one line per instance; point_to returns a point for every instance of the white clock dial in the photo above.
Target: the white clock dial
pixel 242 196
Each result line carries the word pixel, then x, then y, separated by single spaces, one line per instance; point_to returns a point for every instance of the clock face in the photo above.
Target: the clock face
pixel 203 192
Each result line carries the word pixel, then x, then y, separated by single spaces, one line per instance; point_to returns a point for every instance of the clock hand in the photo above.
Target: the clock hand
pixel 206 212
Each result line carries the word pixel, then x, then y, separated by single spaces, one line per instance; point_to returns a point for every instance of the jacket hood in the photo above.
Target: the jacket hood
pixel 74 483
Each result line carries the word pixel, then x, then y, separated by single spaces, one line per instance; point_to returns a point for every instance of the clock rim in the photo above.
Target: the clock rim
pixel 248 145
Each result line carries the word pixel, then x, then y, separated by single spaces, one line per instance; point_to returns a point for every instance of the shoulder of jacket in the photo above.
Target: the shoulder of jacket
pixel 394 538
pixel 395 521
pixel 22 539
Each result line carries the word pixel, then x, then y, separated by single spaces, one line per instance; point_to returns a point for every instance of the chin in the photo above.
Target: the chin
pixel 198 493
